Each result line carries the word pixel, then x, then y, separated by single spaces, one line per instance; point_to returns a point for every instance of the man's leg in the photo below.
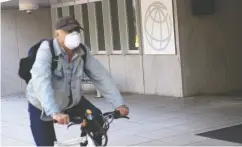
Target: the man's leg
pixel 43 131
pixel 80 110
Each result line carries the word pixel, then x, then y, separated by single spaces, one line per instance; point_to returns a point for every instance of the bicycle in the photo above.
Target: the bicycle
pixel 86 137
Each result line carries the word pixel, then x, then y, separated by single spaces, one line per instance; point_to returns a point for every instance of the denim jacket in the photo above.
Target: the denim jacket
pixel 49 91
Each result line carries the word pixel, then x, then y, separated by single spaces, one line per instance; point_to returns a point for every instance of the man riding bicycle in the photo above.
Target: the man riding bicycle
pixel 57 95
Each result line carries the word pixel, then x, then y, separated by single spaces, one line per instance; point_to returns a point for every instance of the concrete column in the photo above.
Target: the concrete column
pixel 123 26
pixel 93 27
pixel 107 26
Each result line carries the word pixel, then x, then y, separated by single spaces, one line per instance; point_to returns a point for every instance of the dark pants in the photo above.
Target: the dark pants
pixel 43 131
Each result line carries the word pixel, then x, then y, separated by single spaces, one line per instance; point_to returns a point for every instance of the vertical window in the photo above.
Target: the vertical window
pixel 100 27
pixel 72 11
pixel 86 25
pixel 130 5
pixel 115 24
pixel 59 12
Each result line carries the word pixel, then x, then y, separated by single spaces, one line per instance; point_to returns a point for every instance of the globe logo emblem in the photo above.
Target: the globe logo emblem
pixel 158 26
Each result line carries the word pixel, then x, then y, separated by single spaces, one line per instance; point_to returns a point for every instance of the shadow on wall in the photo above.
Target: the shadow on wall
pixel 19 32
pixel 211 48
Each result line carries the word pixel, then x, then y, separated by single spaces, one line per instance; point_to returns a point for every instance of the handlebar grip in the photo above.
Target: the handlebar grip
pixel 118 115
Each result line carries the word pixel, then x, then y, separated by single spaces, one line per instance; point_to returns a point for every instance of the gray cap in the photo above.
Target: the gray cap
pixel 67 23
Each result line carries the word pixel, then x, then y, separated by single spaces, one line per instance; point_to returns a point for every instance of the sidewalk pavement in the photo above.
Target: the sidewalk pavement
pixel 154 121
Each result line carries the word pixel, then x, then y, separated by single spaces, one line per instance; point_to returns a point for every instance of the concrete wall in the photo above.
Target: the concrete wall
pixel 148 74
pixel 163 75
pixel 19 32
pixel 211 48
pixel 127 72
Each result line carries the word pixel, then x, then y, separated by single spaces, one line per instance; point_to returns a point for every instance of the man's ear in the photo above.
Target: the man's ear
pixel 56 33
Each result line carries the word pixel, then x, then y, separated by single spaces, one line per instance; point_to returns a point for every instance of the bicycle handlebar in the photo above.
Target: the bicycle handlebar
pixel 109 115
pixel 103 129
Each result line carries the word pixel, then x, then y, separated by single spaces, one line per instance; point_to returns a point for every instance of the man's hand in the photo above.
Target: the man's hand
pixel 61 118
pixel 124 110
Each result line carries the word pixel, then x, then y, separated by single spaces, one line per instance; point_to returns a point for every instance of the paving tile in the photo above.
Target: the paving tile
pixel 214 142
pixel 20 121
pixel 217 127
pixel 153 143
pixel 183 139
pixel 5 124
pixel 144 119
pixel 125 139
pixel 6 141
pixel 19 132
pixel 154 120
pixel 159 134
pixel 120 124
pixel 144 128
pixel 8 109
pixel 164 121
pixel 196 126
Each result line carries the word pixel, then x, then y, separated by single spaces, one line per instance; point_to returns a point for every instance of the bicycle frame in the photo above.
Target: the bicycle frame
pixel 75 142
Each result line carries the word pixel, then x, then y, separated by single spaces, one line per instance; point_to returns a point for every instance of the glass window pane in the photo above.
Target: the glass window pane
pixel 130 5
pixel 86 25
pixel 100 27
pixel 72 11
pixel 59 12
pixel 115 24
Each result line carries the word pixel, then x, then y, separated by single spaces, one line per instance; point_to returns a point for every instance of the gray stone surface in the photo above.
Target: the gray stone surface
pixel 19 32
pixel 154 121
pixel 210 48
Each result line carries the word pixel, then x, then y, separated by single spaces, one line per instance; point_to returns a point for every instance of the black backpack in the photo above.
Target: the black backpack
pixel 25 64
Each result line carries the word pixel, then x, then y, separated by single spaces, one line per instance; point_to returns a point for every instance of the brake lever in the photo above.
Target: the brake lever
pixel 70 124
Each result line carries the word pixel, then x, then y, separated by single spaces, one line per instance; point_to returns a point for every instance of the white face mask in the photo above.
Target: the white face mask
pixel 72 40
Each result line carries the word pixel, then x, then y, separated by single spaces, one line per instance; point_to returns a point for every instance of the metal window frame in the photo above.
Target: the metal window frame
pixel 117 52
pixel 55 4
pixel 135 52
pixel 101 53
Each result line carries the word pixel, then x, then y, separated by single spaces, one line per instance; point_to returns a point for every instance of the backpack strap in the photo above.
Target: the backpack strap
pixel 85 51
pixel 51 47
pixel 54 57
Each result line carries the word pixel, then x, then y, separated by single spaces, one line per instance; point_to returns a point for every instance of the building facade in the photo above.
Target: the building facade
pixel 157 47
